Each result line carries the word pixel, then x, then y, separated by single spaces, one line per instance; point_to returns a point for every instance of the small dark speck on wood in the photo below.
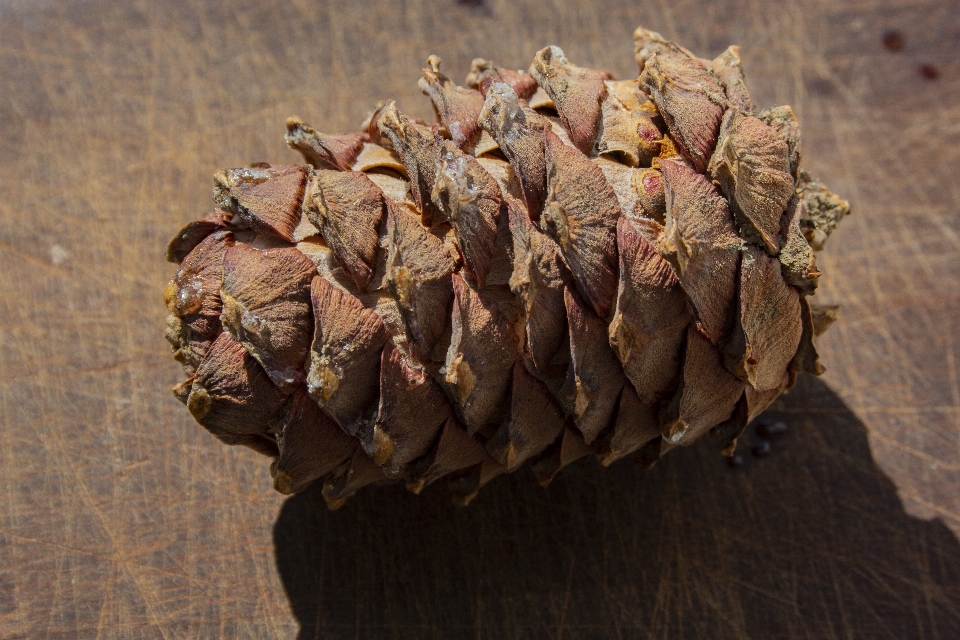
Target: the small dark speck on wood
pixel 768 429
pixel 893 40
pixel 762 449
pixel 929 72
pixel 821 87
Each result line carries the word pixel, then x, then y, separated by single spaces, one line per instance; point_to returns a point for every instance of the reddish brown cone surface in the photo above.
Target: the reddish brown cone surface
pixel 563 265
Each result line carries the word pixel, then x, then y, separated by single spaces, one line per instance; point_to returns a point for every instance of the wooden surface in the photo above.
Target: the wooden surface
pixel 119 517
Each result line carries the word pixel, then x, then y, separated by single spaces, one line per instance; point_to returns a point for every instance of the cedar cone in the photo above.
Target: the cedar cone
pixel 563 265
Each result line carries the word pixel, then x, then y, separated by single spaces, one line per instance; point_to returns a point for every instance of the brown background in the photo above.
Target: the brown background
pixel 119 517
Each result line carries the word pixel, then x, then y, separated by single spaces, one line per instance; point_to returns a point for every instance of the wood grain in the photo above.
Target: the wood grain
pixel 120 518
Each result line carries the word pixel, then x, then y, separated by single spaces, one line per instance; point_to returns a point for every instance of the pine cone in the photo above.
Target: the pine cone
pixel 563 265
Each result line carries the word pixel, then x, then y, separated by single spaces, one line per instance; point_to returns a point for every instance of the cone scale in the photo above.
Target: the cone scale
pixel 563 265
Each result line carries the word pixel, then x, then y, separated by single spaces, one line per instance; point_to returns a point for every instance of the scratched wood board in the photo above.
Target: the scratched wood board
pixel 121 518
